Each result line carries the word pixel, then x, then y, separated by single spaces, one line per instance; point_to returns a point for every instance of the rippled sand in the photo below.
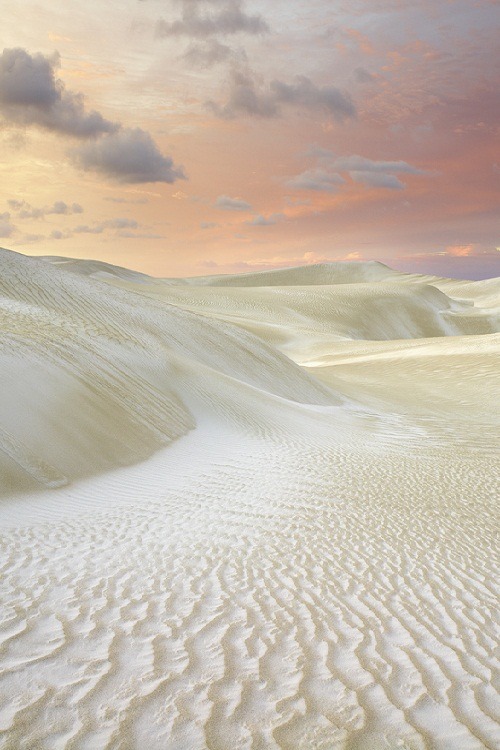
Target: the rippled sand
pixel 255 511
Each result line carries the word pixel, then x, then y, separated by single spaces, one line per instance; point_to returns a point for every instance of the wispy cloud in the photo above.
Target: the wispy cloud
pixel 224 18
pixel 326 176
pixel 26 211
pixel 317 179
pixel 7 229
pixel 119 223
pixel 265 221
pixel 208 53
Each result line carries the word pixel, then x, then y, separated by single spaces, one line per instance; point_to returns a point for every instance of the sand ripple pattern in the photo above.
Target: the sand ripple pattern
pixel 329 614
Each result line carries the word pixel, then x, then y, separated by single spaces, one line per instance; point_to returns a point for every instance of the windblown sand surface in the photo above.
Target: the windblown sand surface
pixel 247 512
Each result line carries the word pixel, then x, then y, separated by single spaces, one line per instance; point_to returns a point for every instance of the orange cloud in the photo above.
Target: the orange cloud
pixel 460 251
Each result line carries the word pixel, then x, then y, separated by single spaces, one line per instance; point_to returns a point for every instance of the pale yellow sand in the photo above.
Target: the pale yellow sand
pixel 307 559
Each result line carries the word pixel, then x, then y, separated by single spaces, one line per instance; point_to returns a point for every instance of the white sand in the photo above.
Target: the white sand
pixel 310 562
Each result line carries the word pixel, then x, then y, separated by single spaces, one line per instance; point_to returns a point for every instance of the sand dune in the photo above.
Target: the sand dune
pixel 248 511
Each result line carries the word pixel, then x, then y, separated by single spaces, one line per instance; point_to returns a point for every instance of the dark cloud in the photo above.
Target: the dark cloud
pixel 232 204
pixel 26 211
pixel 362 75
pixel 130 155
pixel 226 19
pixel 30 94
pixel 248 97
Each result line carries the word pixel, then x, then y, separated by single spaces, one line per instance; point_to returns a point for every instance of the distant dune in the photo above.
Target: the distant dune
pixel 247 511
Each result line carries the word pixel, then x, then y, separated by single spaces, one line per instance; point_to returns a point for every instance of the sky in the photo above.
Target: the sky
pixel 192 137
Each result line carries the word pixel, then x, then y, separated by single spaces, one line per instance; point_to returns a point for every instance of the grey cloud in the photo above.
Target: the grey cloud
pixel 378 179
pixel 361 164
pixel 226 20
pixel 325 177
pixel 265 221
pixel 362 75
pixel 57 234
pixel 136 201
pixel 247 97
pixel 208 225
pixel 6 228
pixel 211 53
pixel 31 238
pixel 86 229
pixel 119 223
pixel 30 94
pixel 125 234
pixel 317 179
pixel 130 155
pixel 305 93
pixel 122 223
pixel 26 211
pixel 232 204
pixel 60 207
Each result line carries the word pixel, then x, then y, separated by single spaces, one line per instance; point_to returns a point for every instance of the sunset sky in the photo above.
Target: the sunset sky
pixel 188 137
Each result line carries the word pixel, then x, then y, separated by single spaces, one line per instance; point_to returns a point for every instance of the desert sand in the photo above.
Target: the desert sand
pixel 247 512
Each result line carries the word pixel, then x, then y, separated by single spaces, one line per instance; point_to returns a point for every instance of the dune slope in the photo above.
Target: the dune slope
pixel 307 559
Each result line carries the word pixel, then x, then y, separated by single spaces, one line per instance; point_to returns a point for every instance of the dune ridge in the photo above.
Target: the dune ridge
pixel 301 550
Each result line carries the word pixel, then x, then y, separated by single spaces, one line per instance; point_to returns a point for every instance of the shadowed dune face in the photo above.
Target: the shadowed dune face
pixel 310 560
pixel 100 372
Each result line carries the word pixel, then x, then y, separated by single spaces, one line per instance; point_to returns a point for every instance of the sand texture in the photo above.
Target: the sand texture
pixel 248 512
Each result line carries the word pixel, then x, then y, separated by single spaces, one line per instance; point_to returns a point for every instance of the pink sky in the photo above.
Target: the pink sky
pixel 184 137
